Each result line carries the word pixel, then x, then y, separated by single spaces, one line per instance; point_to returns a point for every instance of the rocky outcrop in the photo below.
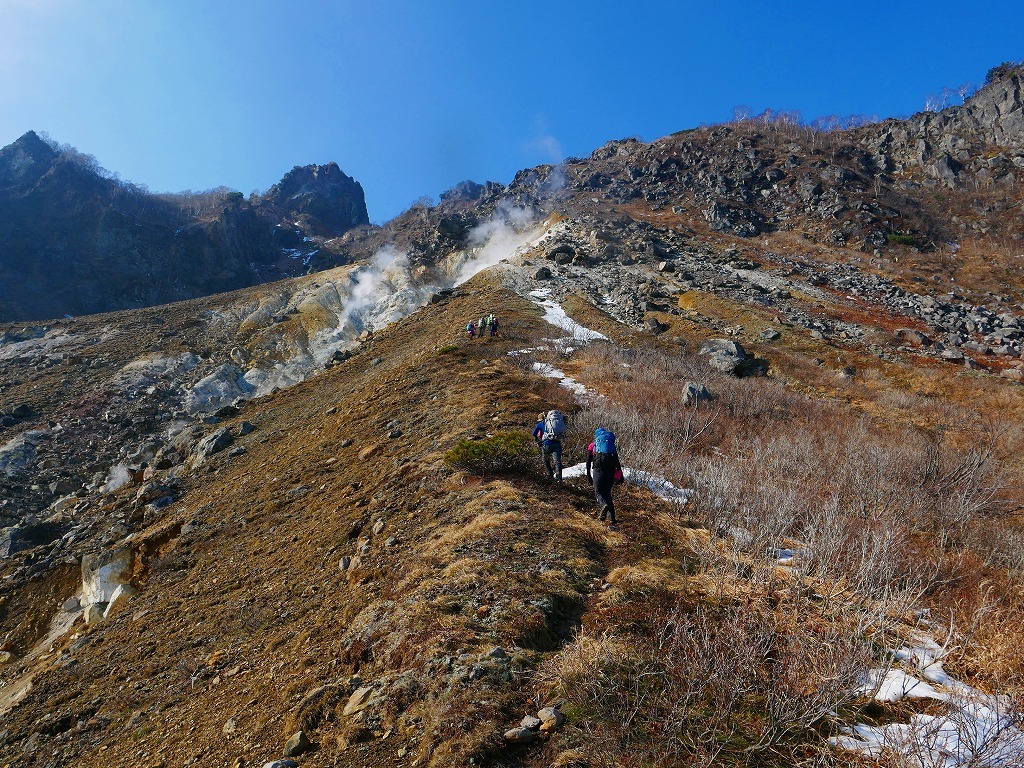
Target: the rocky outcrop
pixel 117 246
pixel 321 198
pixel 951 146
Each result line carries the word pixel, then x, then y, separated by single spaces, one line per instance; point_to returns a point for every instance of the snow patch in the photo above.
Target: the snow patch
pixel 892 685
pixel 656 484
pixel 556 316
pixel 550 372
pixel 976 729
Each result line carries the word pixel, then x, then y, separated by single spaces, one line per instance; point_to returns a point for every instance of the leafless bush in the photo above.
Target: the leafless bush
pixel 706 685
pixel 961 485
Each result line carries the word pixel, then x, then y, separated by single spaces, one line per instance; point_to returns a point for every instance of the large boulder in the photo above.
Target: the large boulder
pixel 561 253
pixel 104 573
pixel 215 442
pixel 695 394
pixel 723 355
pixel 17 454
pixel 21 537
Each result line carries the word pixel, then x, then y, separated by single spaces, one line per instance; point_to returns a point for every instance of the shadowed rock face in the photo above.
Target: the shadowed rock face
pixel 74 241
pixel 322 198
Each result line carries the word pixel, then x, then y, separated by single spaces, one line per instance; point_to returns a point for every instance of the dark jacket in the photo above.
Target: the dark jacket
pixel 603 461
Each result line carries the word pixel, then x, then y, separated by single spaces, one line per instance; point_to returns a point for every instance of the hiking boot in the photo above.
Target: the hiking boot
pixel 613 527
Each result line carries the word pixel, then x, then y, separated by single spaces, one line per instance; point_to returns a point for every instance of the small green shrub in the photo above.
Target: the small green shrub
pixel 898 239
pixel 1006 69
pixel 447 349
pixel 503 452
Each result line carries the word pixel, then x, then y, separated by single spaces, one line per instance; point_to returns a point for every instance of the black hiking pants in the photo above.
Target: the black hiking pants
pixel 603 479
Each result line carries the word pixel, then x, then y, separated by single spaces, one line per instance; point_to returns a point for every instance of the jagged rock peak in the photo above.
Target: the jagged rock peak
pixel 328 200
pixel 951 145
pixel 27 152
pixel 470 191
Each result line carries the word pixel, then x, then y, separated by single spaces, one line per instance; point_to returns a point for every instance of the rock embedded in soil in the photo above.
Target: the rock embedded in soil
pixel 531 722
pixel 520 735
pixel 724 355
pixel 297 745
pixel 213 443
pixel 358 701
pixel 551 718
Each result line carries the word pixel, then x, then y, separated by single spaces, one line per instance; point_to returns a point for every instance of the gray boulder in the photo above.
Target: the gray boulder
pixel 297 745
pixel 213 443
pixel 655 326
pixel 561 253
pixel 520 735
pixel 723 355
pixel 694 394
pixel 19 538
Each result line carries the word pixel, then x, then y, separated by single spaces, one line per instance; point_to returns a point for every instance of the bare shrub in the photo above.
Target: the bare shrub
pixel 961 485
pixel 706 687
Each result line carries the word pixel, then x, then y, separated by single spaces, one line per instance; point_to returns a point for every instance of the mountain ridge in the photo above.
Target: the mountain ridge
pixel 115 245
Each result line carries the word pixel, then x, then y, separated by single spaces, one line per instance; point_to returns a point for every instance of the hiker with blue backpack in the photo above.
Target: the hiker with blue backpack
pixel 604 471
pixel 548 433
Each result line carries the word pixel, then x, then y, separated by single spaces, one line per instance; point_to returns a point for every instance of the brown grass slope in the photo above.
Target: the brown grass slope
pixel 245 616
pixel 664 642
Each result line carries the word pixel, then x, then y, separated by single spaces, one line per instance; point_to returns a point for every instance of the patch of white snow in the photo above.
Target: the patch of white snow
pixel 556 316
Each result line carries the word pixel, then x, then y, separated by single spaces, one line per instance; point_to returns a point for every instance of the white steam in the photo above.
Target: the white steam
pixel 508 232
pixel 387 275
pixel 119 476
pixel 339 307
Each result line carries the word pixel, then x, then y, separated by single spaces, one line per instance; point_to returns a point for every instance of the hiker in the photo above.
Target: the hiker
pixel 548 434
pixel 482 326
pixel 492 325
pixel 471 330
pixel 538 434
pixel 604 470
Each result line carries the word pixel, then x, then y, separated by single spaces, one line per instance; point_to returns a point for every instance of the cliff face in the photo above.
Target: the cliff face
pixel 977 144
pixel 321 198
pixel 73 241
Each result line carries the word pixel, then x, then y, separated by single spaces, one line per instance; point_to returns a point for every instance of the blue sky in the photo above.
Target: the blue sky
pixel 412 97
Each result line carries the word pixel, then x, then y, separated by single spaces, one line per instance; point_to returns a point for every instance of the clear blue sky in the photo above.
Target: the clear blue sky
pixel 413 97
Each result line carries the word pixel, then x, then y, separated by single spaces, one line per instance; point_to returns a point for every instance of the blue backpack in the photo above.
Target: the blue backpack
pixel 604 441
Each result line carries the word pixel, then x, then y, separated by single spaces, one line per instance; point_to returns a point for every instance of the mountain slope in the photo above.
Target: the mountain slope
pixel 73 241
pixel 260 486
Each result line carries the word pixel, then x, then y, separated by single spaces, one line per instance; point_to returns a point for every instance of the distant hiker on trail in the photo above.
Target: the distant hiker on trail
pixel 492 324
pixel 604 470
pixel 548 433
pixel 471 330
pixel 482 326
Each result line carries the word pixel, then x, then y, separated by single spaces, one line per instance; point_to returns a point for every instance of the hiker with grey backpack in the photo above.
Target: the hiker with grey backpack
pixel 548 433
pixel 604 471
